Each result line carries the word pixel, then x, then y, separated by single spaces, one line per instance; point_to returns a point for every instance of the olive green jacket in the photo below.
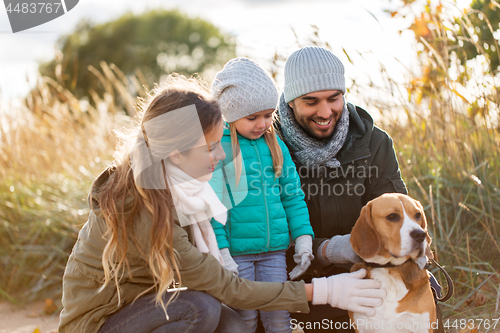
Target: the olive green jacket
pixel 86 303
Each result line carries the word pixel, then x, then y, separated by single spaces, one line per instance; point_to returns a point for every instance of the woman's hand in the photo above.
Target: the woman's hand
pixel 349 291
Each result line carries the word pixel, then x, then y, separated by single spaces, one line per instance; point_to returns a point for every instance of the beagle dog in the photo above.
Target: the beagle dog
pixel 391 238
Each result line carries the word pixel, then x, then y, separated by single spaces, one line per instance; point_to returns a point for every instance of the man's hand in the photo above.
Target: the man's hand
pixel 338 250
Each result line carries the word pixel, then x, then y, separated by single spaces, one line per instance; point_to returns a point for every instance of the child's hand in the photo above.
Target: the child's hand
pixel 229 262
pixel 303 256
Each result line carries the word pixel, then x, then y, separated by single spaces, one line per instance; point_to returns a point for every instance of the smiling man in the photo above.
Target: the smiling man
pixel 343 161
pixel 318 112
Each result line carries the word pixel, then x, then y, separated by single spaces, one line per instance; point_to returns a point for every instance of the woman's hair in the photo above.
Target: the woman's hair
pixel 272 142
pixel 122 197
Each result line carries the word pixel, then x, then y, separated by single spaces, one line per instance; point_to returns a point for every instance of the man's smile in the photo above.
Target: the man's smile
pixel 323 124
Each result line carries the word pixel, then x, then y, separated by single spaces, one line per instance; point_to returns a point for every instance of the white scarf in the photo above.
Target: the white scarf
pixel 198 201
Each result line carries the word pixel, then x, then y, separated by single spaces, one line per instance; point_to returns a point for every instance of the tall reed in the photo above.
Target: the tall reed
pixel 51 149
pixel 446 134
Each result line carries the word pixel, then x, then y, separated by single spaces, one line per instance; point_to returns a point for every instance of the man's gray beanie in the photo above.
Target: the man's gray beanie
pixel 310 69
pixel 242 87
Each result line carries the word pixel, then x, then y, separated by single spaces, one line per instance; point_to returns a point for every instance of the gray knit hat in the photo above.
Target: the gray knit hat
pixel 310 69
pixel 242 87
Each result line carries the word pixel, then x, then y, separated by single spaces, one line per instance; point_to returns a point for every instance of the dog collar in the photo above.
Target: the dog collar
pixel 389 265
pixel 375 265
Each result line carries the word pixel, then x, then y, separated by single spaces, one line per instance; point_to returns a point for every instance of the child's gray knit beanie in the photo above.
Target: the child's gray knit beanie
pixel 242 87
pixel 310 69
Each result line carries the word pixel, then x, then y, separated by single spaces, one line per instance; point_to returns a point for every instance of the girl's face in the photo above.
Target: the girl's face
pixel 199 162
pixel 255 125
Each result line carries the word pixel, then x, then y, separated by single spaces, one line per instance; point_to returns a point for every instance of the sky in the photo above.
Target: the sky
pixel 261 28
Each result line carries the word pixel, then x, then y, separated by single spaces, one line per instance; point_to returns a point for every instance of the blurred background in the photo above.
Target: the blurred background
pixel 428 71
pixel 255 28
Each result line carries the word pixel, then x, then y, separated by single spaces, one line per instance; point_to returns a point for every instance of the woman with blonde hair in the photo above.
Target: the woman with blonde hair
pixel 148 237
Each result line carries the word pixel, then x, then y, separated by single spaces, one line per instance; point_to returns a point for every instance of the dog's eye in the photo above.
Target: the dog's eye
pixel 418 215
pixel 393 217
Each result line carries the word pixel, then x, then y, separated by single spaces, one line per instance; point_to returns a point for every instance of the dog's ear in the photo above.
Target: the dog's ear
pixel 428 239
pixel 364 239
pixel 428 252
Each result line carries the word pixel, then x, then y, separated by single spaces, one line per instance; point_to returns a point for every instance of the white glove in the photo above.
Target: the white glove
pixel 229 262
pixel 303 256
pixel 349 291
pixel 339 250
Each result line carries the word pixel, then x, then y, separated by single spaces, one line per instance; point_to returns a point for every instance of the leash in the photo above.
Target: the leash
pixel 449 281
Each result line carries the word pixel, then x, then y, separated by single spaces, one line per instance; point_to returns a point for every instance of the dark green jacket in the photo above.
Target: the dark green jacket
pixel 369 168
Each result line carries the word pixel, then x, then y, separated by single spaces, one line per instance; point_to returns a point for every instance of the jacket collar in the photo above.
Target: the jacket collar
pixel 95 192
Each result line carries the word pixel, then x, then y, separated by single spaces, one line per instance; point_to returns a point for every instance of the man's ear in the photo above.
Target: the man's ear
pixel 364 239
pixel 291 104
pixel 175 157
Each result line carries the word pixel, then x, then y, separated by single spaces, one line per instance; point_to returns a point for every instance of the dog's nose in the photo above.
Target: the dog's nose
pixel 418 235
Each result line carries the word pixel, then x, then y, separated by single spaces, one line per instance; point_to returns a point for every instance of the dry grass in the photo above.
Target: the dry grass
pixel 51 149
pixel 451 164
pixel 448 148
pixel 448 143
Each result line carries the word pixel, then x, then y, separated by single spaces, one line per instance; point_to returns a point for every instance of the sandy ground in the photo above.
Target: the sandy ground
pixel 27 319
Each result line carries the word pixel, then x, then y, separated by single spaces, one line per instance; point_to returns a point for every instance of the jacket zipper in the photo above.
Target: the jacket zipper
pixel 358 158
pixel 265 200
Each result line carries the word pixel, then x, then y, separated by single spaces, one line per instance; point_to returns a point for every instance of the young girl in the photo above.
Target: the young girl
pixel 270 207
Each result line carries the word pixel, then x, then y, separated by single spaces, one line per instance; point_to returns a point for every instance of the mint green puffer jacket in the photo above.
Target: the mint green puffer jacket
pixel 267 211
